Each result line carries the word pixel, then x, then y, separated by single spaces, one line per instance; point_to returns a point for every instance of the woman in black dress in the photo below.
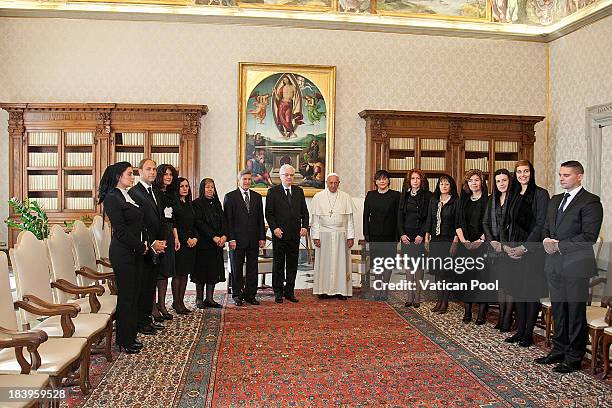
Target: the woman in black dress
pixel 470 232
pixel 440 237
pixel 127 248
pixel 212 229
pixel 411 218
pixel 526 217
pixel 380 225
pixel 496 234
pixel 184 220
pixel 165 183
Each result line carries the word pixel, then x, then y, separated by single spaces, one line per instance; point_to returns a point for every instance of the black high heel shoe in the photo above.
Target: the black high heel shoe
pixel 165 314
pixel 467 318
pixel 158 318
pixel 129 349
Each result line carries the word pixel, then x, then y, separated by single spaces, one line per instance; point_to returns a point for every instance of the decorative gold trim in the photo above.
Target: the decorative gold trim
pixel 329 73
pixel 283 7
pixel 157 2
pixel 443 17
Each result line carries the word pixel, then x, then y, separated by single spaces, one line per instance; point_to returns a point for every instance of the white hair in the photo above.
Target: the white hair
pixel 286 167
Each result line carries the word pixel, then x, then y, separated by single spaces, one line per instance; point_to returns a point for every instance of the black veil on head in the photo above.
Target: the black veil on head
pixel 203 186
pixel 531 186
pixel 495 191
pixel 110 178
pixel 453 187
pixel 189 197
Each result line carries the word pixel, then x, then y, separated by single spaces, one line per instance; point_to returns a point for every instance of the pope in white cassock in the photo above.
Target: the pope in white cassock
pixel 333 232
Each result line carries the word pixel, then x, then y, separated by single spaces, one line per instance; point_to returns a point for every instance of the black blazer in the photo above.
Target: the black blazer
pixel 127 221
pixel 281 214
pixel 380 215
pixel 184 222
pixel 153 213
pixel 246 228
pixel 577 232
pixel 209 221
pixel 448 216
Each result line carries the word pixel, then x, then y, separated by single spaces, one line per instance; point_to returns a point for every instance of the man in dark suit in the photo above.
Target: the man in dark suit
pixel 243 209
pixel 572 225
pixel 149 201
pixel 287 216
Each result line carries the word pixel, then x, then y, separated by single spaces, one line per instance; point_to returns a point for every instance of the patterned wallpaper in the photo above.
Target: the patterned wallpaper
pixel 55 60
pixel 581 72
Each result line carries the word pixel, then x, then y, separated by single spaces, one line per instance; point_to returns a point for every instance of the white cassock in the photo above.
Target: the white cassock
pixel 332 223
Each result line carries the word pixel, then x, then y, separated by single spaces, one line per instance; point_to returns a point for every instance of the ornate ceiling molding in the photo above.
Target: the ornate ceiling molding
pixel 306 19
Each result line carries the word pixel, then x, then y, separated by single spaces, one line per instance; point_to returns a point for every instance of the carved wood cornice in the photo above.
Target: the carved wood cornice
pixel 393 114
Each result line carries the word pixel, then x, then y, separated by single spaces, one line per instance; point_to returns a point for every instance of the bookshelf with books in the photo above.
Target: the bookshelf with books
pixel 439 142
pixel 58 152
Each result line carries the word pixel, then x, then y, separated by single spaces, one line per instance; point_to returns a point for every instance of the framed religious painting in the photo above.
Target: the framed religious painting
pixel 286 116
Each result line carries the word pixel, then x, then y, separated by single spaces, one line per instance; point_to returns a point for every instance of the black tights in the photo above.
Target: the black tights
pixel 210 290
pixel 482 310
pixel 506 307
pixel 526 318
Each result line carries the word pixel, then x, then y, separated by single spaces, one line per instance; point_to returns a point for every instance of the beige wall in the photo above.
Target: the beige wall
pixel 581 77
pixel 54 60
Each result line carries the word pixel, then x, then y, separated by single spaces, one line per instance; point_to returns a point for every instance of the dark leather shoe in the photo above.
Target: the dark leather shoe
pixel 278 300
pixel 323 296
pixel 214 304
pixel 158 318
pixel 407 304
pixel 342 297
pixel 549 359
pixel 252 301
pixel 566 368
pixel 138 343
pixel 156 326
pixel 238 302
pixel 480 322
pixel 129 349
pixel 514 339
pixel 526 343
pixel 292 298
pixel 466 318
pixel 200 304
pixel 147 331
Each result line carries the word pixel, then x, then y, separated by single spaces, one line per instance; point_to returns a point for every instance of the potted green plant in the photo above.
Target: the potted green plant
pixel 32 217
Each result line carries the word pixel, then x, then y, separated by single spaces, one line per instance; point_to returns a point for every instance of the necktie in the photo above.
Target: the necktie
pixel 561 210
pixel 288 191
pixel 247 201
pixel 150 191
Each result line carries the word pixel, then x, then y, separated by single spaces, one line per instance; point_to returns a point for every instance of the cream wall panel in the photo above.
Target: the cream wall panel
pixel 581 77
pixel 54 60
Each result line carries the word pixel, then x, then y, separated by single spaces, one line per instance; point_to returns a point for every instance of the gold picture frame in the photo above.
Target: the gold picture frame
pixel 286 114
pixel 139 2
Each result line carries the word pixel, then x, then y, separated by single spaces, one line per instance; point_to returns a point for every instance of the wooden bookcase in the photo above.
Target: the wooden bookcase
pixel 438 142
pixel 58 152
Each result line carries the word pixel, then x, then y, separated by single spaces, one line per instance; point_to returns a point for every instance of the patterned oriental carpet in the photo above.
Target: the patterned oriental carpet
pixel 333 353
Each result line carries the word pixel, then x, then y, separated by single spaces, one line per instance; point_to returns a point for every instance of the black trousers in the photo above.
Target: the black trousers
pixel 128 276
pixel 284 266
pixel 241 287
pixel 568 296
pixel 150 274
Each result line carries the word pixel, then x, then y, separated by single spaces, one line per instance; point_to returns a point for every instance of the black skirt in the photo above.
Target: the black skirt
pixel 210 268
pixel 167 266
pixel 185 260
